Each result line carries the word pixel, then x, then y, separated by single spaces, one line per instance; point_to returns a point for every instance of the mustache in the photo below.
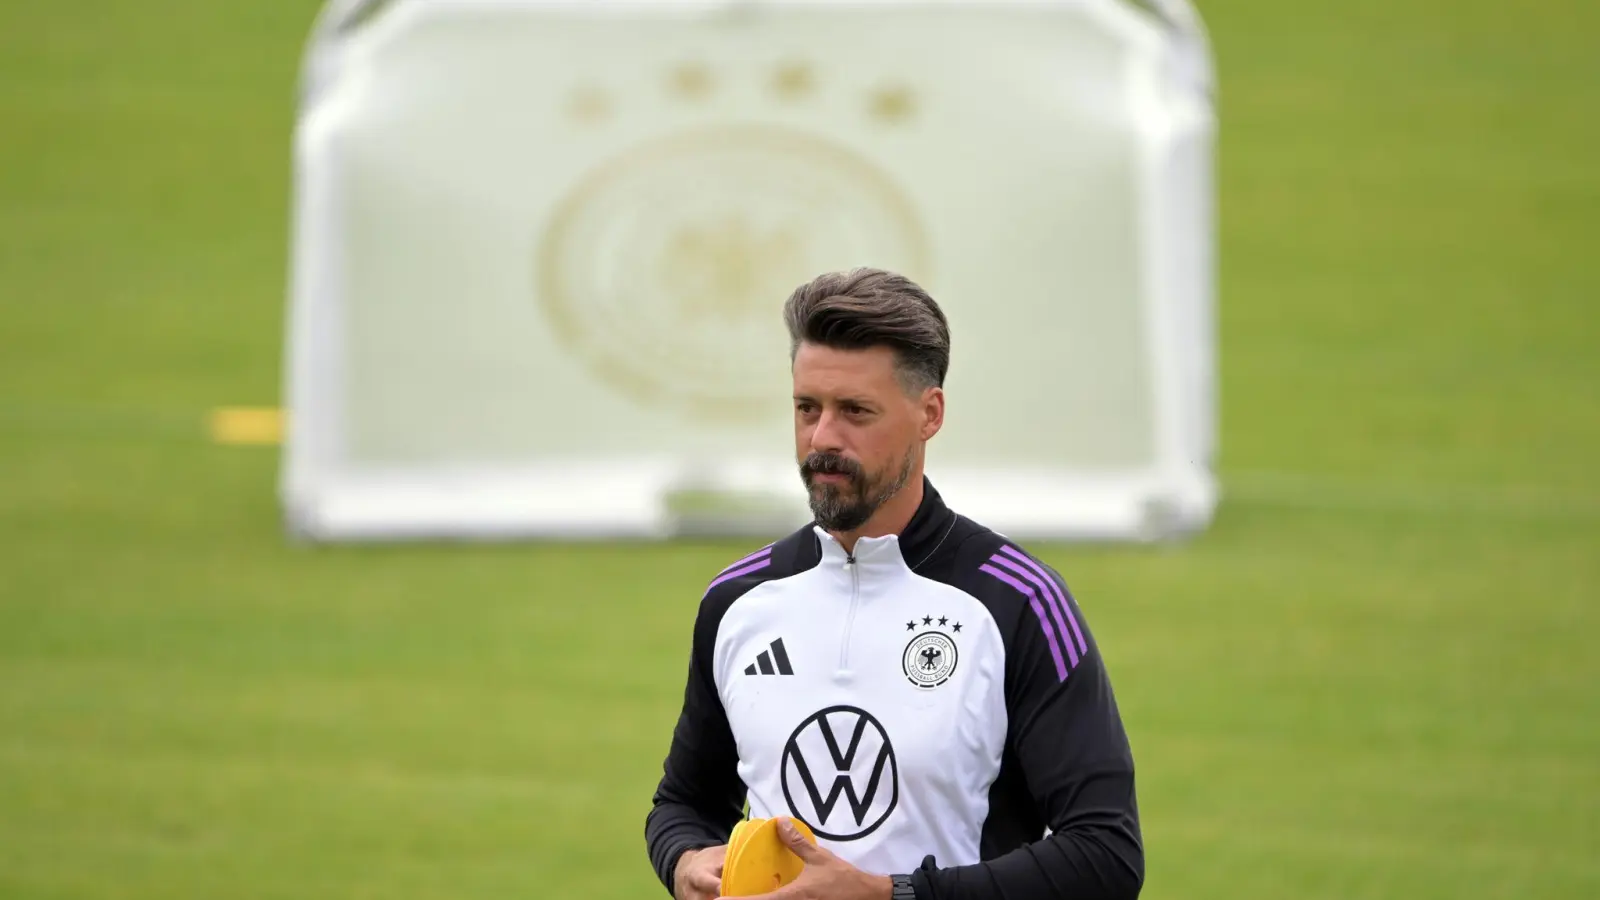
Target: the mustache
pixel 830 464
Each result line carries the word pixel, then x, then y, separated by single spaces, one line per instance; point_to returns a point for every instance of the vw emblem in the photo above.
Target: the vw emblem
pixel 840 754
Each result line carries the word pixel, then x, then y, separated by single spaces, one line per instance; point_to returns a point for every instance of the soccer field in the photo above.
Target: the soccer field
pixel 1373 678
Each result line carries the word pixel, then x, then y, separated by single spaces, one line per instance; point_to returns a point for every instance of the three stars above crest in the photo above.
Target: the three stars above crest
pixel 929 620
pixel 789 83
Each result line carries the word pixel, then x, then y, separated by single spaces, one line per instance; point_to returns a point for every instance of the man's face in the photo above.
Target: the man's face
pixel 858 434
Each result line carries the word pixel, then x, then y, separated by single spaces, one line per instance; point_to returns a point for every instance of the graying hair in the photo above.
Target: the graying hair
pixel 863 308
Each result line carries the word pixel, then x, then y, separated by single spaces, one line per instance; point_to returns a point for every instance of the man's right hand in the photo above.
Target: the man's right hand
pixel 699 874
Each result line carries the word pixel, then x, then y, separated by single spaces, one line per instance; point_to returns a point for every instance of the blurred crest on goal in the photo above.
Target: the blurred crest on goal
pixel 540 250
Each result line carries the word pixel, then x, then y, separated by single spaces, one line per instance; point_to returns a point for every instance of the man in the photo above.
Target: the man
pixel 920 691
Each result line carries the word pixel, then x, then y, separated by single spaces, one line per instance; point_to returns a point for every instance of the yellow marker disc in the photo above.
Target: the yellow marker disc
pixel 736 840
pixel 247 425
pixel 763 862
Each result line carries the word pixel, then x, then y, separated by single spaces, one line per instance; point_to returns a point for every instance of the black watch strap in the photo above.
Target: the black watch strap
pixel 902 888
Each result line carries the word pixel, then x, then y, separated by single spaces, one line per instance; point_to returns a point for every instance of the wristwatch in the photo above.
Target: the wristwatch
pixel 901 888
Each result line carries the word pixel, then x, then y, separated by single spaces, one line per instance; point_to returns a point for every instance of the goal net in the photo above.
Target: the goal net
pixel 540 249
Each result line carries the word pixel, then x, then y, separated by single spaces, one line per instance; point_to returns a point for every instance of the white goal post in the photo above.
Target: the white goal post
pixel 540 248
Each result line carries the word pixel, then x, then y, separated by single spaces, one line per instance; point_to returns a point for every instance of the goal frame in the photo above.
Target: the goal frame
pixel 661 497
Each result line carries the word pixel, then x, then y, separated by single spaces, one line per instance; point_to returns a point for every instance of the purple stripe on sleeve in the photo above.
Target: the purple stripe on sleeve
pixel 1056 589
pixel 1049 601
pixel 1038 610
pixel 735 573
pixel 759 554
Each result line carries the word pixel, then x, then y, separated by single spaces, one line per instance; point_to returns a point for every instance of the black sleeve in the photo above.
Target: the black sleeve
pixel 700 796
pixel 1069 742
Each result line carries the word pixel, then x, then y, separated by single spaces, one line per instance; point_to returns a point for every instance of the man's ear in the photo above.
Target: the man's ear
pixel 932 412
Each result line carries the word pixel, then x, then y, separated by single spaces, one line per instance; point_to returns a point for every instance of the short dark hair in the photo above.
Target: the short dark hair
pixel 863 308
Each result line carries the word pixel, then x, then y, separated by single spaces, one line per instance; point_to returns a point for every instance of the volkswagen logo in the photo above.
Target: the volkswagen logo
pixel 839 773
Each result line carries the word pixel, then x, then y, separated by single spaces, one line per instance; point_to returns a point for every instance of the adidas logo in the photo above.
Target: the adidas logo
pixel 764 662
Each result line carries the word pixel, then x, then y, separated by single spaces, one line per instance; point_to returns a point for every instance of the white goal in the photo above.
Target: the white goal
pixel 540 248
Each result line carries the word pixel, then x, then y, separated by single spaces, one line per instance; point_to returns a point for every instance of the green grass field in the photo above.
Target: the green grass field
pixel 1374 678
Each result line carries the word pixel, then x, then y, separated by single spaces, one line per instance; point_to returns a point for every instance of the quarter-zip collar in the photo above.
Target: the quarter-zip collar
pixel 928 527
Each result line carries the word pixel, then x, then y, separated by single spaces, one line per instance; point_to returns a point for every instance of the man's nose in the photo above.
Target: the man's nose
pixel 827 436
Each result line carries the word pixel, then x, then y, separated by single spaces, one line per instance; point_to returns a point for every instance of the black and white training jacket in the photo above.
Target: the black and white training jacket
pixel 933 705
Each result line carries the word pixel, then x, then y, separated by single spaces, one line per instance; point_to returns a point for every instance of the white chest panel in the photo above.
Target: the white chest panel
pixel 869 702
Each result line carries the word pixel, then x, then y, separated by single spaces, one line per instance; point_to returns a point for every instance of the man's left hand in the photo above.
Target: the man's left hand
pixel 826 876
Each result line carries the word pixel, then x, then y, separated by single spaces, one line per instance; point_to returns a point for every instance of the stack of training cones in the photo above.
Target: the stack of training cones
pixel 758 861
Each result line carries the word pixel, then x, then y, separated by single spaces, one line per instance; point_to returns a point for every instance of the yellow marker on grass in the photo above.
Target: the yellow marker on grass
pixel 247 425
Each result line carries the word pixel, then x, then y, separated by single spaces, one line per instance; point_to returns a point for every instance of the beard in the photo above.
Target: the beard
pixel 846 507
